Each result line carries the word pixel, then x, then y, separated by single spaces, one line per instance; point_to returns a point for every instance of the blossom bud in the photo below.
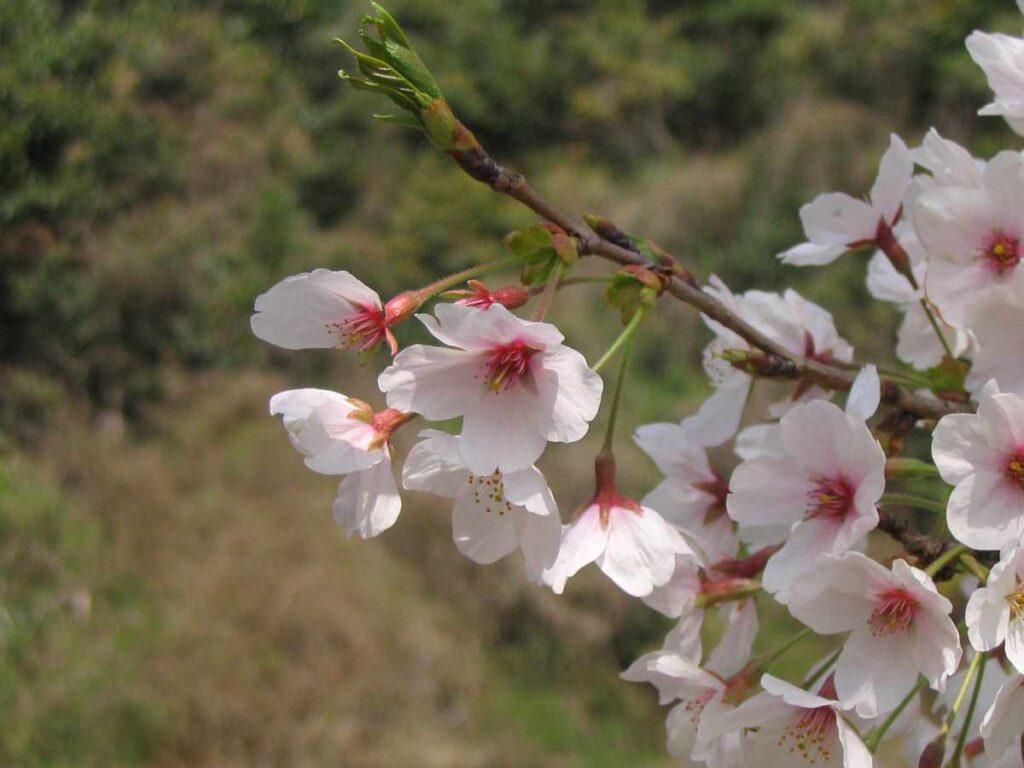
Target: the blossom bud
pixel 401 307
pixel 479 295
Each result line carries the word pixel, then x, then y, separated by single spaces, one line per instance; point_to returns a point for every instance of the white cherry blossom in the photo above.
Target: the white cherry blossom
pixel 1003 725
pixel 899 627
pixel 493 515
pixel 835 223
pixel 973 237
pixel 792 728
pixel 982 455
pixel 995 612
pixel 826 482
pixel 322 309
pixel 515 384
pixel 1002 59
pixel 338 435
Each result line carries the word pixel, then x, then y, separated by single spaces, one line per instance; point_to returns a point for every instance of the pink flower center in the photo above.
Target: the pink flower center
pixel 812 735
pixel 507 365
pixel 489 492
pixel 1015 468
pixel 363 329
pixel 1001 252
pixel 895 612
pixel 830 498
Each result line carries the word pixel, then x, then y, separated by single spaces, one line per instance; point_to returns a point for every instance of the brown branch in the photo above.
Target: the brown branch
pixel 481 166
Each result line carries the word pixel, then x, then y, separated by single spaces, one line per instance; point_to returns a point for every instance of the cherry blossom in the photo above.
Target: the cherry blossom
pixel 899 627
pixel 1002 59
pixel 836 222
pixel 791 727
pixel 995 612
pixel 342 436
pixel 1003 725
pixel 323 309
pixel 973 236
pixel 983 456
pixel 827 482
pixel 514 383
pixel 493 515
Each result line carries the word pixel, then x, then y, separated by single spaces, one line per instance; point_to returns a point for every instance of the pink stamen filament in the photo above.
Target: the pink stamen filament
pixel 830 498
pixel 895 612
pixel 508 365
pixel 1001 251
pixel 362 329
pixel 812 735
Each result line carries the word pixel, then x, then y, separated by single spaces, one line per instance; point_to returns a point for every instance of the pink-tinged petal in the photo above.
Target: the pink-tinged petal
pixel 677 597
pixel 812 254
pixel 673 676
pixel 479 330
pixel 434 465
pixel 865 394
pixel 320 426
pixel 917 344
pixel 855 753
pixel 763 710
pixel 677 456
pixel 484 528
pixel 1002 420
pixel 838 219
pixel 894 174
pixel 641 551
pixel 949 163
pixel 958 444
pixel 795 697
pixel 886 284
pixel 758 441
pixel 541 540
pixel 368 502
pixel 501 432
pixel 956 287
pixel 953 223
pixel 718 418
pixel 767 491
pixel 687 508
pixel 987 620
pixel 875 672
pixel 809 539
pixel 999 346
pixel 1015 643
pixel 818 436
pixel 684 638
pixel 838 597
pixel 1003 179
pixel 569 393
pixel 527 488
pixel 582 542
pixel 1004 722
pixel 935 648
pixel 298 312
pixel 985 512
pixel 434 382
pixel 733 650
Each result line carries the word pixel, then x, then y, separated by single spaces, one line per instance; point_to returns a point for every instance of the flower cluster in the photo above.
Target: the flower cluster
pixel 762 499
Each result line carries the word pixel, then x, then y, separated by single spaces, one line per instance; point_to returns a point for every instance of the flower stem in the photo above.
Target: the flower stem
pixel 935 326
pixel 945 559
pixel 970 563
pixel 954 761
pixel 825 667
pixel 625 341
pixel 909 500
pixel 442 285
pixel 873 739
pixel 624 337
pixel 550 288
pixel 781 650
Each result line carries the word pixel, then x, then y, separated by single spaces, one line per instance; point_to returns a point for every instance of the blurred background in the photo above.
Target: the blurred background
pixel 172 589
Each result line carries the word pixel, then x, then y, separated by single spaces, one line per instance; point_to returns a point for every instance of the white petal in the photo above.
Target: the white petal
pixel 368 502
pixel 541 540
pixel 836 218
pixel 767 491
pixel 582 542
pixel 894 174
pixel 641 550
pixel 865 394
pixel 501 432
pixel 875 672
pixel 569 393
pixel 733 650
pixel 1004 722
pixel 434 465
pixel 528 488
pixel 484 529
pixel 434 382
pixel 855 753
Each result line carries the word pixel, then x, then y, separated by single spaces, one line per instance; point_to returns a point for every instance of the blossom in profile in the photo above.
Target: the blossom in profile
pixel 494 515
pixel 982 455
pixel 973 237
pixel 899 627
pixel 324 309
pixel 1003 724
pixel 826 482
pixel 835 223
pixel 339 435
pixel 995 612
pixel 789 727
pixel 1001 57
pixel 515 384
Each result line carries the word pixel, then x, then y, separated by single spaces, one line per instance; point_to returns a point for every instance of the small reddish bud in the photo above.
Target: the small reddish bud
pixel 479 295
pixel 748 567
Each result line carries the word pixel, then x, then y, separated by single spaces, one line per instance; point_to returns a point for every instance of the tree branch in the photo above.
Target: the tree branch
pixel 478 164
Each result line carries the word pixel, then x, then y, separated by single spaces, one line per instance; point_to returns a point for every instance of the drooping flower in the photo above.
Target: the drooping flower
pixel 982 455
pixel 836 222
pixel 973 236
pixel 493 515
pixel 995 612
pixel 792 728
pixel 1003 725
pixel 999 347
pixel 323 309
pixel 827 482
pixel 1002 59
pixel 339 435
pixel 514 383
pixel 899 627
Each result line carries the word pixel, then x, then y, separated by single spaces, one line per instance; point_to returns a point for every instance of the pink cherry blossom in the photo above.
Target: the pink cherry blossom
pixel 995 612
pixel 791 728
pixel 323 309
pixel 342 436
pixel 514 383
pixel 493 515
pixel 983 456
pixel 1002 59
pixel 836 222
pixel 899 627
pixel 826 482
pixel 973 236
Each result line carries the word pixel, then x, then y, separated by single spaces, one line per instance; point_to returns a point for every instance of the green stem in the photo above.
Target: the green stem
pixel 750 588
pixel 442 285
pixel 944 559
pixel 624 337
pixel 550 288
pixel 954 761
pixel 620 381
pixel 812 679
pixel 873 739
pixel 909 500
pixel 968 561
pixel 781 650
pixel 962 693
pixel 935 326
